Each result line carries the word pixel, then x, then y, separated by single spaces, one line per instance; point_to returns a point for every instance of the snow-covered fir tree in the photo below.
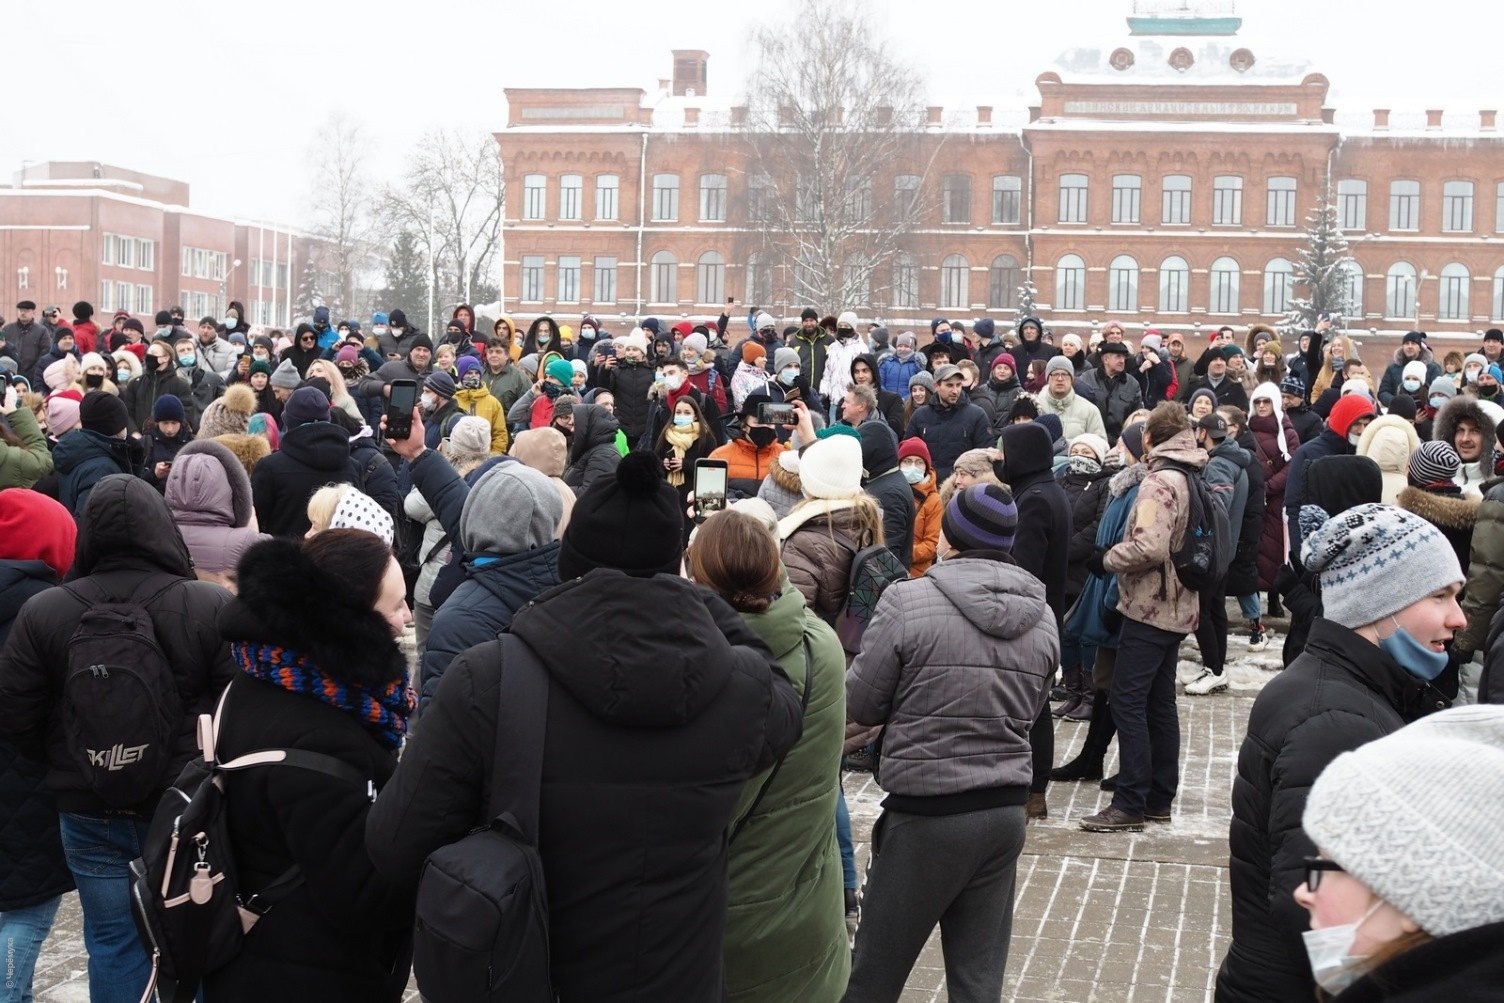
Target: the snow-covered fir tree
pixel 1320 271
pixel 309 294
pixel 1027 295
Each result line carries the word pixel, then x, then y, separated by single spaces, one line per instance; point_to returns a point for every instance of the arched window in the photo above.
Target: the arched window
pixel 1174 285
pixel 1002 283
pixel 665 274
pixel 1352 288
pixel 1122 284
pixel 905 281
pixel 1279 278
pixel 759 279
pixel 1454 289
pixel 1497 313
pixel 1070 283
pixel 954 280
pixel 1224 281
pixel 1399 290
pixel 710 278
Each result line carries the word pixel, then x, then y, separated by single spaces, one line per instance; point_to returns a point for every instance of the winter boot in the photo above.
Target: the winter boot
pixel 1088 763
pixel 1036 808
pixel 1082 710
pixel 1071 682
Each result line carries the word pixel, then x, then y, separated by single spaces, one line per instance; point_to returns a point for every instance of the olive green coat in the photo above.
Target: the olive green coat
pixel 24 465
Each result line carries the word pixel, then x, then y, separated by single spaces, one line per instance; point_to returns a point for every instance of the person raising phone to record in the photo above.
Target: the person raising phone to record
pixel 753 448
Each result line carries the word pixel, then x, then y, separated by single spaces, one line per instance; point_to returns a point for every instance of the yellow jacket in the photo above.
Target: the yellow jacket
pixel 480 403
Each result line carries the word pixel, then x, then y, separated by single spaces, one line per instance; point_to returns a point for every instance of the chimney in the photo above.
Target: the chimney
pixel 934 114
pixel 1487 119
pixel 984 114
pixel 691 117
pixel 689 72
pixel 738 115
pixel 1433 118
pixel 1381 118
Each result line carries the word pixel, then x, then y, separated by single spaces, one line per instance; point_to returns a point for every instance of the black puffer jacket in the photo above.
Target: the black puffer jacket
pixel 311 456
pixel 1466 966
pixel 128 549
pixel 32 868
pixel 1088 496
pixel 630 384
pixel 653 726
pixel 345 933
pixel 887 486
pixel 1243 570
pixel 1341 692
pixel 592 451
pixel 1042 546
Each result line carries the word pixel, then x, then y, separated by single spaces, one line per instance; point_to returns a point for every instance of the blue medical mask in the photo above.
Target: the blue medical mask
pixel 1411 386
pixel 1438 401
pixel 788 375
pixel 943 337
pixel 683 420
pixel 1415 658
pixel 122 375
pixel 187 361
pixel 913 474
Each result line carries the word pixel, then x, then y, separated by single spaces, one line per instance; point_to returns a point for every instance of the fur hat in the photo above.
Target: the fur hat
pixel 228 414
pixel 248 449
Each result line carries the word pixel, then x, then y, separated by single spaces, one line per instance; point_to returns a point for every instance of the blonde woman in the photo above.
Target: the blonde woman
pixel 1333 354
pixel 344 506
pixel 339 393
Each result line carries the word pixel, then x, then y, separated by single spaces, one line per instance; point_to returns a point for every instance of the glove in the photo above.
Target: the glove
pixel 1094 562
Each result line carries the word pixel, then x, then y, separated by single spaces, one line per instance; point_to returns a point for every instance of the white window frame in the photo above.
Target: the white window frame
pixel 1227 200
pixel 1457 206
pixel 955 201
pixel 1352 204
pixel 1454 288
pixel 1175 202
pixel 955 282
pixel 1070 282
pixel 534 196
pixel 1127 198
pixel 1226 287
pixel 1399 290
pixel 532 285
pixel 1122 284
pixel 607 196
pixel 603 279
pixel 571 197
pixel 905 281
pixel 664 269
pixel 710 279
pixel 665 197
pixel 1007 199
pixel 1279 286
pixel 1404 205
pixel 1001 289
pixel 1075 198
pixel 712 198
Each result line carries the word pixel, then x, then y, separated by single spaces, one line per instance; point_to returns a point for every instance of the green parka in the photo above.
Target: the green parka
pixel 24 465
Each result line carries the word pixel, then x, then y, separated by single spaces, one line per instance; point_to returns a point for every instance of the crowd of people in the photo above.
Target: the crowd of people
pixel 934 557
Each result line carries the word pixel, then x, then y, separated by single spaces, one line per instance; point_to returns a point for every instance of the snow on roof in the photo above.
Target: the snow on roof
pixel 1147 60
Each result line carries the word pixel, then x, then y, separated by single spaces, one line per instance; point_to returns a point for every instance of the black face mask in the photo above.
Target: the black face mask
pixel 150 363
pixel 95 380
pixel 761 437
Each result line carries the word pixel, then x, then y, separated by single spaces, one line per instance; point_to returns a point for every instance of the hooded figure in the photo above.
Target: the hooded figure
pixel 1389 441
pixel 1031 344
pixel 209 495
pixel 592 452
pixel 313 452
pixel 1477 465
pixel 885 482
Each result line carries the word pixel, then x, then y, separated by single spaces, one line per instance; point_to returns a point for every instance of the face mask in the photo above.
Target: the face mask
pixel 346 373
pixel 1437 402
pixel 470 380
pixel 164 332
pixel 846 333
pixel 762 438
pixel 1488 391
pixel 788 375
pixel 1354 436
pixel 260 355
pixel 428 403
pixel 231 320
pixel 544 337
pixel 903 353
pixel 379 331
pixel 943 337
pixel 150 363
pixel 1329 950
pixel 913 474
pixel 238 349
pixel 552 390
pixel 1415 658
pixel 94 379
pixel 186 361
pixel 1471 375
pixel 1410 385
pixel 673 382
pixel 588 333
pixel 1084 465
pixel 1115 461
pixel 122 375
pixel 683 420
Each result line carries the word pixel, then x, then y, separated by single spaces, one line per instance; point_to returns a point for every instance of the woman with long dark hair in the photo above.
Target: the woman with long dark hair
pixel 686 437
pixel 542 336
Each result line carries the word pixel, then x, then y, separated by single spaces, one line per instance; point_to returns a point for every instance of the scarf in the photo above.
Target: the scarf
pixel 681 439
pixel 1083 465
pixel 383 711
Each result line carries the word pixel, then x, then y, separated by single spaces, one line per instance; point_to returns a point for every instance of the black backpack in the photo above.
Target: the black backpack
pixel 189 908
pixel 482 912
pixel 1199 560
pixel 120 709
pixel 873 569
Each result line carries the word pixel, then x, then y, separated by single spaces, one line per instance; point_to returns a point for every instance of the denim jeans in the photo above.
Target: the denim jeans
pixel 1252 611
pixel 1143 708
pixel 843 839
pixel 22 932
pixel 99 849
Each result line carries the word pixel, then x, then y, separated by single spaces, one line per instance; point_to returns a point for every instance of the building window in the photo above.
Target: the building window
pixel 1352 288
pixel 665 278
pixel 1126 189
pixel 534 192
pixel 955 276
pixel 606 188
pixel 569 279
pixel 1404 205
pixel 605 280
pixel 188 261
pixel 759 280
pixel 806 200
pixel 1454 292
pixel 571 195
pixel 1073 198
pixel 1227 200
pixel 1279 278
pixel 532 278
pixel 1281 199
pixel 905 195
pixel 1457 206
pixel 859 200
pixel 712 199
pixel 1070 283
pixel 1352 204
pixel 1497 313
pixel 1399 290
pixel 1002 283
pixel 1007 197
pixel 107 295
pixel 144 300
pixel 905 282
pixel 1122 284
pixel 710 278
pixel 1174 285
pixel 1177 199
pixel 125 297
pixel 665 198
pixel 1224 276
pixel 806 278
pixel 760 198
pixel 107 249
pixel 956 207
pixel 856 281
pixel 23 277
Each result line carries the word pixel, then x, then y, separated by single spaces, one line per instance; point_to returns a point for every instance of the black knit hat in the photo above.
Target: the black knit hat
pixel 631 521
pixel 103 413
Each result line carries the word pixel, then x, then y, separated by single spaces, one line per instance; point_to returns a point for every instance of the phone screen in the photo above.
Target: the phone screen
pixel 399 408
pixel 710 487
pixel 777 414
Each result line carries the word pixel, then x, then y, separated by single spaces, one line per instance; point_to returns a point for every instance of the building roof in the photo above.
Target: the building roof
pixel 1151 59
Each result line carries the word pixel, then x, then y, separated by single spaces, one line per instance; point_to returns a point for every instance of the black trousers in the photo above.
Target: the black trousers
pixel 1211 632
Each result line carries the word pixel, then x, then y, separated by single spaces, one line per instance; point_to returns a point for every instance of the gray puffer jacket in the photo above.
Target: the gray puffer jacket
pixel 957 664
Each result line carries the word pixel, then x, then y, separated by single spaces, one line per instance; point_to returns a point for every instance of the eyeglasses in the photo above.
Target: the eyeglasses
pixel 1314 867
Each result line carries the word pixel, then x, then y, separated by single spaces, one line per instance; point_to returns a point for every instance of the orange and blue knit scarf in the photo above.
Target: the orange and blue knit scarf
pixel 383 710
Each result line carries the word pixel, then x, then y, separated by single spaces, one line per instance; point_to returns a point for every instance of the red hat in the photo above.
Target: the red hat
pixel 36 528
pixel 1006 358
pixel 1348 410
pixel 915 447
pixel 685 328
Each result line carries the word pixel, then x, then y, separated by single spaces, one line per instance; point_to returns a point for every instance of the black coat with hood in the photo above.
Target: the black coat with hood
pixel 889 404
pixel 654 725
pixel 887 486
pixel 129 549
pixel 592 450
pixel 1088 495
pixel 1031 345
pixel 345 932
pixel 629 382
pixel 311 456
pixel 1342 692
pixel 1042 546
pixel 1243 570
pixel 84 457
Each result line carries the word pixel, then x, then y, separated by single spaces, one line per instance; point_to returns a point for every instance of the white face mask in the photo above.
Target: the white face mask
pixel 1354 437
pixel 673 382
pixel 1330 952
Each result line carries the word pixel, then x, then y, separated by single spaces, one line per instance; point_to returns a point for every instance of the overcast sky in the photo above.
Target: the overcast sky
pixel 230 97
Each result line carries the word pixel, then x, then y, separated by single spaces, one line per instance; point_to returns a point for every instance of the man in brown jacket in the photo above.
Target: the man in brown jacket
pixel 1158 611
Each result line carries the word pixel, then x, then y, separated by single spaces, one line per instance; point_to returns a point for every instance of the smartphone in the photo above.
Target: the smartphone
pixel 399 408
pixel 770 413
pixel 608 351
pixel 710 487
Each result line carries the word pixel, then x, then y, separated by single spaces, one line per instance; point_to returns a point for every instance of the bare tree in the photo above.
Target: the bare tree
pixel 838 160
pixel 343 206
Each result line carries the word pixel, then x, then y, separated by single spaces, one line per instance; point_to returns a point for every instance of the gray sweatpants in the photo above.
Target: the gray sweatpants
pixel 955 870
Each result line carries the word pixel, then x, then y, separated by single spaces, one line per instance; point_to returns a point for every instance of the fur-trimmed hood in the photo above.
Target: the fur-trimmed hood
pixel 1466 406
pixel 286 599
pixel 1444 511
pixel 785 478
pixel 1127 479
pixel 1426 356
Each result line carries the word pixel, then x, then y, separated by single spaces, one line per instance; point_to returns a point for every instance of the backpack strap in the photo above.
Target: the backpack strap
pixel 809 672
pixel 517 770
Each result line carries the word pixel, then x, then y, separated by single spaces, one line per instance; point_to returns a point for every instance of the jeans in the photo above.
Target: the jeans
pixel 1211 632
pixel 1074 654
pixel 1143 707
pixel 843 839
pixel 22 932
pixel 99 849
pixel 1250 607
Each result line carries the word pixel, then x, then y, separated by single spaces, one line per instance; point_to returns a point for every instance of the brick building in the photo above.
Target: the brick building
pixel 124 240
pixel 1164 177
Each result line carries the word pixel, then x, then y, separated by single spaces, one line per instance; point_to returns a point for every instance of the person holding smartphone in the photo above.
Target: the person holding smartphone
pixel 753 448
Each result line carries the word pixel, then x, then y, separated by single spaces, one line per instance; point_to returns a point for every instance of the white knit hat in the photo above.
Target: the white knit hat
pixel 1418 817
pixel 358 510
pixel 1094 442
pixel 470 434
pixel 832 468
pixel 1374 560
pixel 765 320
pixel 638 339
pixel 847 319
pixel 1414 371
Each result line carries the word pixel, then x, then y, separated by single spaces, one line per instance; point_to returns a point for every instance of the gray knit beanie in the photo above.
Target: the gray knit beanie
pixel 784 357
pixel 1059 364
pixel 1374 560
pixel 1418 817
pixel 511 509
pixel 286 376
